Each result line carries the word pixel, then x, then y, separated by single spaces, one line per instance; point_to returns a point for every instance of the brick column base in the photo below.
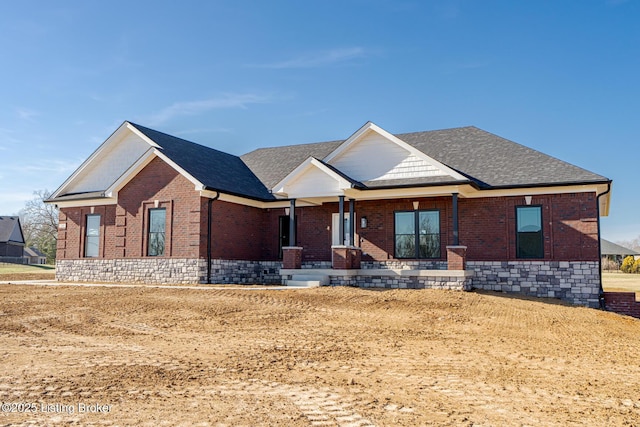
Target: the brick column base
pixel 456 257
pixel 292 257
pixel 346 257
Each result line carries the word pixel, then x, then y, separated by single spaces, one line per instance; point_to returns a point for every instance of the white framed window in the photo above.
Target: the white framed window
pixel 92 236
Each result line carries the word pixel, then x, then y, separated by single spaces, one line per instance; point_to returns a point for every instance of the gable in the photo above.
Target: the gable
pixel 374 158
pixel 312 179
pixel 373 154
pixel 10 230
pixel 107 164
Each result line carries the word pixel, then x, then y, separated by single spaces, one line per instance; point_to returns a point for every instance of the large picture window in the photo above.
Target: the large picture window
pixel 529 238
pixel 417 234
pixel 157 226
pixel 92 236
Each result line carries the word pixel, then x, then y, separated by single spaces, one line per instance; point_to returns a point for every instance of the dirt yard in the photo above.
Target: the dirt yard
pixel 311 357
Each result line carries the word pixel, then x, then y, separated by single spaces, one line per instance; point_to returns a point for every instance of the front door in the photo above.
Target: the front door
pixel 283 233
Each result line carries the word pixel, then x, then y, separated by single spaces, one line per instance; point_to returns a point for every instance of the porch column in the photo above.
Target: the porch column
pixel 352 226
pixel 292 223
pixel 456 239
pixel 341 220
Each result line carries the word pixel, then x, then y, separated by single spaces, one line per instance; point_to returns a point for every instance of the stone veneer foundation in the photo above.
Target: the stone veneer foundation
pixel 168 271
pixel 576 282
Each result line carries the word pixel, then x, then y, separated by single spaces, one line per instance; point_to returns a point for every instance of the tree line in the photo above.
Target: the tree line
pixel 39 222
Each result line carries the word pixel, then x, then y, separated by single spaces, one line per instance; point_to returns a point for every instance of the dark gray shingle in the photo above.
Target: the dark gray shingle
pixel 10 230
pixel 486 159
pixel 215 169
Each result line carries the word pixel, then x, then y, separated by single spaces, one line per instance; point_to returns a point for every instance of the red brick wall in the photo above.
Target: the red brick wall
pixel 123 231
pixel 569 226
pixel 623 303
pixel 487 225
pixel 237 231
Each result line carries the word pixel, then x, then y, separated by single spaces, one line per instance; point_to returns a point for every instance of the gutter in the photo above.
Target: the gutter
pixel 209 215
pixel 601 290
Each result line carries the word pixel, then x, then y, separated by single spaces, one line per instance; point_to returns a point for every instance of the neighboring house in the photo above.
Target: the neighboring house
pixel 455 208
pixel 615 252
pixel 35 256
pixel 11 239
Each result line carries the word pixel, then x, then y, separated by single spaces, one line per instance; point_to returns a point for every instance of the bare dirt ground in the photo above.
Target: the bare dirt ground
pixel 311 357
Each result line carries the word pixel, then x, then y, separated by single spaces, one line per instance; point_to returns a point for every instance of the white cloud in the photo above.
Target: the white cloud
pixel 191 108
pixel 26 113
pixel 44 166
pixel 318 59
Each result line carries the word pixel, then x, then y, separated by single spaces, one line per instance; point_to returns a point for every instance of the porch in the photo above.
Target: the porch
pixel 383 278
pixel 347 269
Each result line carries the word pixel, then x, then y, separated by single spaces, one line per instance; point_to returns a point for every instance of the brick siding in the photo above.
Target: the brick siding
pixel 623 303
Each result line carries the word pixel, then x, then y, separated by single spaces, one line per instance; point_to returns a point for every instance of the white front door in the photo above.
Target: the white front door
pixel 335 229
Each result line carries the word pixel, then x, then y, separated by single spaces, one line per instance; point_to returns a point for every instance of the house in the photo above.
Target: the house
pixel 454 208
pixel 11 239
pixel 34 256
pixel 615 252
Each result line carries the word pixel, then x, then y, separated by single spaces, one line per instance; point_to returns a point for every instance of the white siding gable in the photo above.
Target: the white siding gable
pixel 374 157
pixel 110 163
pixel 313 183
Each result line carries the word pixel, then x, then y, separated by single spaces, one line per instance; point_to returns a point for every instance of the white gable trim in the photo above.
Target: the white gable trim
pixel 140 164
pixel 369 126
pixel 142 136
pixel 283 187
pixel 113 138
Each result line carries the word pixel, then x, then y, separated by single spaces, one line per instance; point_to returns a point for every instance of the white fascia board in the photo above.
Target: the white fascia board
pixel 130 173
pixel 401 193
pixel 87 202
pixel 370 126
pixel 198 185
pixel 141 135
pixel 299 171
pixel 112 139
pixel 536 191
pixel 285 203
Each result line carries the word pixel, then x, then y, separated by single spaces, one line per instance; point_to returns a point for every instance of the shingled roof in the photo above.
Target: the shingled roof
pixel 609 248
pixel 10 230
pixel 215 169
pixel 486 159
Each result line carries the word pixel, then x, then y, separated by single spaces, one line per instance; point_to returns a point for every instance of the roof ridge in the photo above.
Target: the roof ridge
pixel 143 128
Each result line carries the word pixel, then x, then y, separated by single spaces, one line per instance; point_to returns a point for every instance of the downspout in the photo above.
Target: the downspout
pixel 601 291
pixel 209 217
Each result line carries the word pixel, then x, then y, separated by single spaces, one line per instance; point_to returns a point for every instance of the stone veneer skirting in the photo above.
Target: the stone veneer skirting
pixel 168 271
pixel 576 282
pixel 404 279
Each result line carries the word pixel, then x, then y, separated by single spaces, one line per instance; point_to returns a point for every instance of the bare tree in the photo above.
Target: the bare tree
pixel 631 244
pixel 40 224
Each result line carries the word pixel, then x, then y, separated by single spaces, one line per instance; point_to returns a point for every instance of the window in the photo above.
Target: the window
pixel 417 234
pixel 529 239
pixel 157 224
pixel 92 236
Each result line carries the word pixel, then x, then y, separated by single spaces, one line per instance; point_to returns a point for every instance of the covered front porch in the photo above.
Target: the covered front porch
pixel 351 265
pixel 375 212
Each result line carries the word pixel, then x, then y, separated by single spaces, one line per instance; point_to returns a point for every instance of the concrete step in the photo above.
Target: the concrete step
pixel 308 280
pixel 303 283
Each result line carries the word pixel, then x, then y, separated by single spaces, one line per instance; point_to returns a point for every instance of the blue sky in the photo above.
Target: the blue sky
pixel 558 76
